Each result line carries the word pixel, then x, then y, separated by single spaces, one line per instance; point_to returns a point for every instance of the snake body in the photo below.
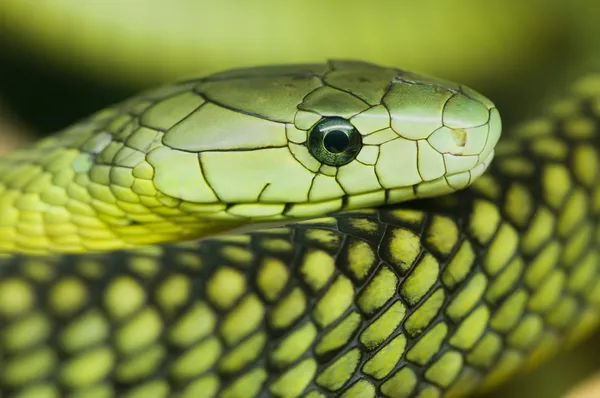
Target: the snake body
pixel 436 297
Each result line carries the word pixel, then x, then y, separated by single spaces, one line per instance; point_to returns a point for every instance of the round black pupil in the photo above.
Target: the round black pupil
pixel 336 141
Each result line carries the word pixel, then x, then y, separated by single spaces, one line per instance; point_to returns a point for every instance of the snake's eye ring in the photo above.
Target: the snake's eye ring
pixel 334 141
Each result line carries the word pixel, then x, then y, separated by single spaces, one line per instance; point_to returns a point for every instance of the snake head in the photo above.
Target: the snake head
pixel 246 146
pixel 281 142
pixel 302 139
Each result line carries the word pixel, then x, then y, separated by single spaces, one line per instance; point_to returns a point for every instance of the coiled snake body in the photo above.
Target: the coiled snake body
pixel 435 297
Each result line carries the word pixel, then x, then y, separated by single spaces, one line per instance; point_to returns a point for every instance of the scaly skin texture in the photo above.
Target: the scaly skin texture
pixel 444 296
pixel 208 155
pixel 435 297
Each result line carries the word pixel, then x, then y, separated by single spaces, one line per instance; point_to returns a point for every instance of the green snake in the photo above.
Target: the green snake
pixel 223 236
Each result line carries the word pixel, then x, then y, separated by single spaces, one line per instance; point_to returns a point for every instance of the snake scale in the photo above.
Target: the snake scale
pixel 105 292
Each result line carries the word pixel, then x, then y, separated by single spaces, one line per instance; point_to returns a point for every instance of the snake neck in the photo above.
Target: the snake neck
pixel 83 189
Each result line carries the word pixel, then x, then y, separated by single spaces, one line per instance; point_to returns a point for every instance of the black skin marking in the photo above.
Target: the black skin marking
pixel 312 182
pixel 262 191
pixel 345 199
pixel 287 207
pixel 207 182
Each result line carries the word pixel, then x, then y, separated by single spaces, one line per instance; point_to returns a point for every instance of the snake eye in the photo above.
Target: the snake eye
pixel 334 141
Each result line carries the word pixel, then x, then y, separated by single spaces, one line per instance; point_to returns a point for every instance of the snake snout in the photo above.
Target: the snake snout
pixel 494 131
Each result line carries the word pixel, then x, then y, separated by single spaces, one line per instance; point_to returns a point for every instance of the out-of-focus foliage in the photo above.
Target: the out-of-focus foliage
pixel 492 46
pixel 142 42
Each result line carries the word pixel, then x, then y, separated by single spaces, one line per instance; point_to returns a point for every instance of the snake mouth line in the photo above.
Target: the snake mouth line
pixel 449 183
pixel 417 192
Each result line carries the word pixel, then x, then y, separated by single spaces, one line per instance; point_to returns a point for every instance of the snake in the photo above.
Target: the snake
pixel 337 229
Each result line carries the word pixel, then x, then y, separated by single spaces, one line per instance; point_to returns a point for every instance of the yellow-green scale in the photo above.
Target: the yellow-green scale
pixel 434 298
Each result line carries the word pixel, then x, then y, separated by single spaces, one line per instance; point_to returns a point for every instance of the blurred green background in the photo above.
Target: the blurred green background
pixel 63 59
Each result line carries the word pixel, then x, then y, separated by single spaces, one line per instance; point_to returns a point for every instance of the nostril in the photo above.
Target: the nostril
pixel 460 137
